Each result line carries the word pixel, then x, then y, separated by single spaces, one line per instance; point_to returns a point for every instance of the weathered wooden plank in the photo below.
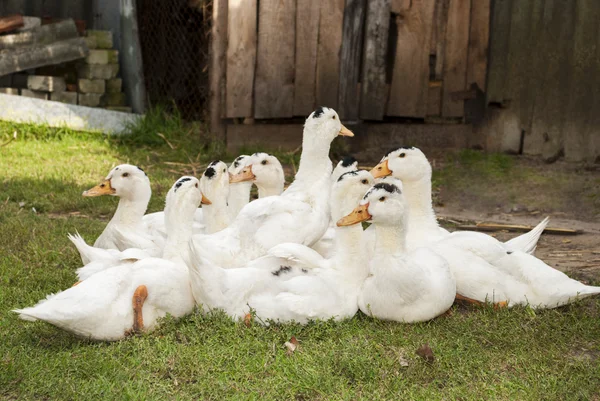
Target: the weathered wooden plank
pixel 455 59
pixel 434 98
pixel 498 60
pixel 274 82
pixel 593 131
pixel 548 116
pixel 354 14
pixel 438 37
pixel 479 34
pixel 241 57
pixel 579 111
pixel 307 35
pixel 11 22
pixel 41 35
pixel 328 53
pixel 410 78
pixel 15 60
pixel 218 66
pixel 373 94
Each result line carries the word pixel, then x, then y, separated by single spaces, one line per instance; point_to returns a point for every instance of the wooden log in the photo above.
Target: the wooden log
pixel 274 82
pixel 11 22
pixel 582 91
pixel 15 60
pixel 307 35
pixel 551 98
pixel 498 60
pixel 518 228
pixel 373 94
pixel 354 13
pixel 217 62
pixel 42 35
pixel 328 53
pixel 455 59
pixel 410 78
pixel 479 34
pixel 241 57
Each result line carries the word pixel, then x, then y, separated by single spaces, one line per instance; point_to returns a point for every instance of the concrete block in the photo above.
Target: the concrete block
pixel 114 85
pixel 92 85
pixel 91 42
pixel 102 56
pixel 123 109
pixel 30 23
pixel 104 39
pixel 98 71
pixel 46 83
pixel 9 91
pixel 19 81
pixel 64 97
pixel 34 94
pixel 89 99
pixel 114 99
pixel 113 56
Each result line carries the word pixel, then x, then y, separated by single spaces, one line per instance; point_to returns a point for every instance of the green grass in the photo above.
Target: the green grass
pixel 479 353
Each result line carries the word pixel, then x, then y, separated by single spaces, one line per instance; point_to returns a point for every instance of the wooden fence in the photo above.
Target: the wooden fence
pixel 278 59
pixel 544 78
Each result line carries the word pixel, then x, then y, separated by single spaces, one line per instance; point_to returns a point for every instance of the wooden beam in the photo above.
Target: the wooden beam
pixel 373 94
pixel 241 57
pixel 307 35
pixel 15 60
pixel 455 59
pixel 11 22
pixel 479 35
pixel 218 66
pixel 41 35
pixel 410 78
pixel 274 81
pixel 328 55
pixel 353 27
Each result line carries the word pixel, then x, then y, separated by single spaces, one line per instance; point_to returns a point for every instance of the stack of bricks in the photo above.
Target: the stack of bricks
pixel 97 82
pixel 90 82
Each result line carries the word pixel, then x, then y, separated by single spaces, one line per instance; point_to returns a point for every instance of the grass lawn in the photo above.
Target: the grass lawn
pixel 480 353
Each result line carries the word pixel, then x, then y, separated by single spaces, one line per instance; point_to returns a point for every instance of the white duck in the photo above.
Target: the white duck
pixel 403 286
pixel 214 184
pixel 325 245
pixel 131 298
pixel 239 193
pixel 411 166
pixel 132 186
pixel 293 282
pixel 265 171
pixel 299 215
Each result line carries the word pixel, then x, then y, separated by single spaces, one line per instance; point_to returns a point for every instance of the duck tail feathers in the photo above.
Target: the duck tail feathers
pixel 528 242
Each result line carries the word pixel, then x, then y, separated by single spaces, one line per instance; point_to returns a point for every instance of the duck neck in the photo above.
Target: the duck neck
pixel 390 239
pixel 179 226
pixel 350 256
pixel 239 196
pixel 130 211
pixel 269 189
pixel 216 216
pixel 314 160
pixel 418 196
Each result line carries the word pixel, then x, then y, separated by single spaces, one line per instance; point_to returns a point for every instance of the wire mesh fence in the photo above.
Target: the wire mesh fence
pixel 174 36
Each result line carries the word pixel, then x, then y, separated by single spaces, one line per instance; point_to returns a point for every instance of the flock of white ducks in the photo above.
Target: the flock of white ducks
pixel 294 255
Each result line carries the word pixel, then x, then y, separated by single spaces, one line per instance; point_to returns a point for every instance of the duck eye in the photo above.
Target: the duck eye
pixel 402 154
pixel 125 175
pixel 196 185
pixel 382 199
pixel 223 170
pixel 263 162
pixel 333 117
pixel 365 181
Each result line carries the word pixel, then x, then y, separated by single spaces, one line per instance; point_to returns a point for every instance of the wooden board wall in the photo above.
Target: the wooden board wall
pixel 328 52
pixel 307 35
pixel 275 63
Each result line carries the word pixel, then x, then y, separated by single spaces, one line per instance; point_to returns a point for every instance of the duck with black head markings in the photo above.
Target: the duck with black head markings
pixel 405 287
pixel 265 171
pixel 299 215
pixel 131 297
pixel 239 192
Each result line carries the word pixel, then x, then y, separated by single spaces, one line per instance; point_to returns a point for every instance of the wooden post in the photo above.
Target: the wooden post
pixel 373 93
pixel 218 49
pixel 132 66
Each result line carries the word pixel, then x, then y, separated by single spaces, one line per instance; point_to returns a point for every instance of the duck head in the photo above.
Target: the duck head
pixel 262 169
pixel 406 163
pixel 324 124
pixel 238 164
pixel 215 181
pixel 383 204
pixel 125 181
pixel 185 193
pixel 348 163
pixel 347 191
